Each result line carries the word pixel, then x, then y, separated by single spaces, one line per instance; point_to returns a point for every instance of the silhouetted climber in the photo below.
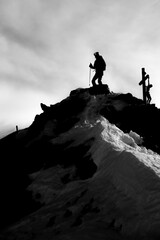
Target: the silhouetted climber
pixel 148 96
pixel 99 66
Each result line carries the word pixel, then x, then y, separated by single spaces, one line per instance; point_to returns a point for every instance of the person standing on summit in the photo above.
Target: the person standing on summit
pixel 99 66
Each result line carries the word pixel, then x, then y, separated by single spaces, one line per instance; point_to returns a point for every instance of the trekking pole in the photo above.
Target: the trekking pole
pixel 89 76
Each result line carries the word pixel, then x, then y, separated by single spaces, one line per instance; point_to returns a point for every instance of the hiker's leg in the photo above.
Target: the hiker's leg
pixel 94 80
pixel 149 98
pixel 100 78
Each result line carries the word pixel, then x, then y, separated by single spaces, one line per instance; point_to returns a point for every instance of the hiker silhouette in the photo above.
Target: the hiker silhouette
pixel 99 66
pixel 148 96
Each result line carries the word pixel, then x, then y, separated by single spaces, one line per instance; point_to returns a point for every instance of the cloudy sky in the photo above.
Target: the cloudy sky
pixel 46 47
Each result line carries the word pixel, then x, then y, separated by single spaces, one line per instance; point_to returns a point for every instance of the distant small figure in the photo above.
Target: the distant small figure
pixel 99 66
pixel 148 93
pixel 16 128
pixel 148 96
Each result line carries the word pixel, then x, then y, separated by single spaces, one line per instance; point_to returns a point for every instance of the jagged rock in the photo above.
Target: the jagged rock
pixel 99 89
pixel 44 107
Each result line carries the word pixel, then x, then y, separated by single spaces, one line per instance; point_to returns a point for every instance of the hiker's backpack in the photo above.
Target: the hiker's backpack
pixel 102 63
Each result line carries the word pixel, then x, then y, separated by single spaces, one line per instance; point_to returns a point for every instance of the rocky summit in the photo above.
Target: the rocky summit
pixel 88 167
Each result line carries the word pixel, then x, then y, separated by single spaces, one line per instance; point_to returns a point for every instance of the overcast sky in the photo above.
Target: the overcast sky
pixel 47 45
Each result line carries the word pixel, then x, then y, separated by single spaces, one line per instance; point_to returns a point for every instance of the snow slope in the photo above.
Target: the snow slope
pixel 103 184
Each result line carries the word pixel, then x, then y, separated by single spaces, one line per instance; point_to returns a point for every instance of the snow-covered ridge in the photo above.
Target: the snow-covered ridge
pixel 130 142
pixel 127 174
pixel 134 172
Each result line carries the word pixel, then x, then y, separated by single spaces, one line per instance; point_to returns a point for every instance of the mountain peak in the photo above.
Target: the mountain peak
pixel 85 167
pixel 87 104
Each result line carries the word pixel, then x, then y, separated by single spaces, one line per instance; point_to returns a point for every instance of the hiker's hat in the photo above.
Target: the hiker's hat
pixel 96 53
